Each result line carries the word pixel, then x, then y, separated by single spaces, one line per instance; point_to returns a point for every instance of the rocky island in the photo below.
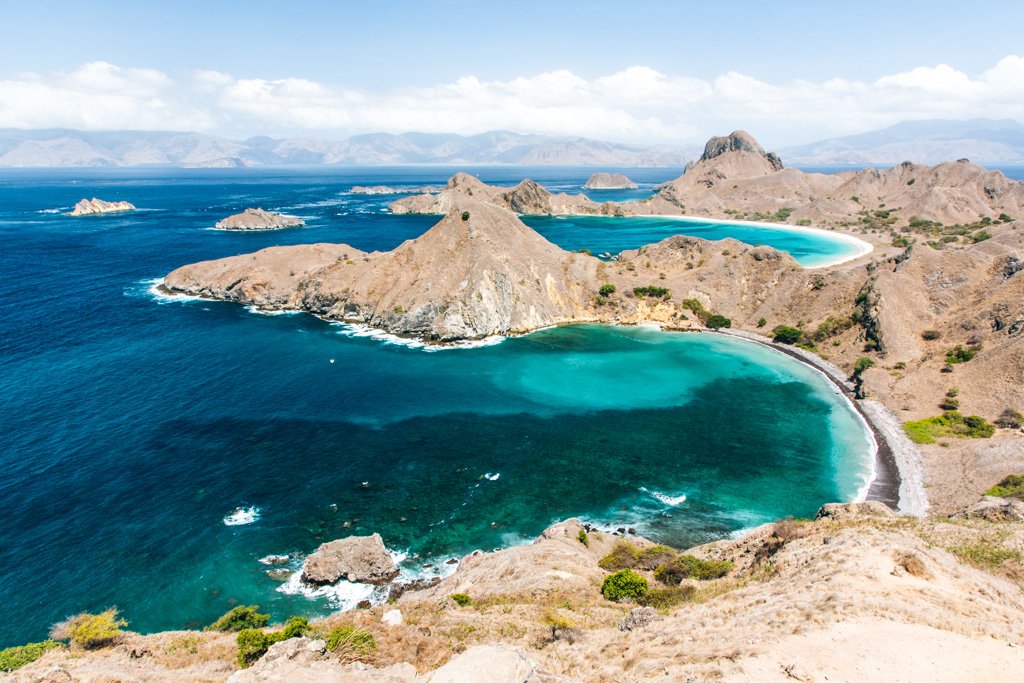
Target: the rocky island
pixel 387 189
pixel 93 207
pixel 609 181
pixel 258 219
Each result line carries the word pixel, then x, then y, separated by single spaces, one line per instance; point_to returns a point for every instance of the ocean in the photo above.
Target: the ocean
pixel 155 450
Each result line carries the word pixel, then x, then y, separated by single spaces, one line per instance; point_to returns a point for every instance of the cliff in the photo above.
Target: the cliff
pixel 91 207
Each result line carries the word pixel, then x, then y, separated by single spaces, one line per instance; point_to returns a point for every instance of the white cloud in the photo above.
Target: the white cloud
pixel 635 104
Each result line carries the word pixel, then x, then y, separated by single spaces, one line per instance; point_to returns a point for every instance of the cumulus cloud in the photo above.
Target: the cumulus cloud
pixel 635 104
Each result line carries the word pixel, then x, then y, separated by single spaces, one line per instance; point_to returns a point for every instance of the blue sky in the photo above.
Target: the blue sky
pixel 334 68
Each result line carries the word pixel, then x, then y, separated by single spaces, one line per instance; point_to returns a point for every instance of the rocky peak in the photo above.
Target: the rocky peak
pixel 738 141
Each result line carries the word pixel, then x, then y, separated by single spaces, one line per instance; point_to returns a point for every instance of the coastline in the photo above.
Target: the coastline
pixel 863 248
pixel 897 478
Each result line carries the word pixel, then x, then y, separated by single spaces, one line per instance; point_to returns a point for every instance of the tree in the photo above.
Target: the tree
pixel 786 334
pixel 717 321
pixel 606 290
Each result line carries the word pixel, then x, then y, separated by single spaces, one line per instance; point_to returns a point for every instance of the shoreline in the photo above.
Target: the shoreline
pixel 897 479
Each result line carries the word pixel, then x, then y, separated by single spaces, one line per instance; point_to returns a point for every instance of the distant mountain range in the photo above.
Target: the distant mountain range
pixel 60 147
pixel 984 141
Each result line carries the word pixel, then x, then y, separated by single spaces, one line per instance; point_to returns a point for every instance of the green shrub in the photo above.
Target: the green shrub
pixel 1006 218
pixel 606 290
pixel 717 321
pixel 583 538
pixel 465 215
pixel 654 556
pixel 949 424
pixel 296 627
pixel 241 617
pixel 901 242
pixel 1010 419
pixel 761 322
pixel 697 307
pixel 252 644
pixel 461 599
pixel 981 236
pixel 690 567
pixel 651 291
pixel 959 354
pixel 1013 485
pixel 786 334
pixel 949 403
pixel 623 555
pixel 624 584
pixel 668 597
pixel 90 631
pixel 862 364
pixel 351 639
pixel 16 657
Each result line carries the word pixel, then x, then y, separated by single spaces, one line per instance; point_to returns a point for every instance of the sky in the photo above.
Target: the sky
pixel 650 72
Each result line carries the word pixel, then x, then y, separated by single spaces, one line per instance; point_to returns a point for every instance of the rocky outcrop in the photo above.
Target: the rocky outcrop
pixel 359 559
pixel 609 181
pixel 258 219
pixel 994 509
pixel 92 207
pixel 738 141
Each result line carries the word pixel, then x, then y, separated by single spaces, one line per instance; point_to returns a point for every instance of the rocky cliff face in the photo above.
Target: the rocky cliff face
pixel 91 207
pixel 258 219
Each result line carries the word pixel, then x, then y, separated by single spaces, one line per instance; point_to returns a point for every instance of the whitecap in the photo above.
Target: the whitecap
pixel 274 559
pixel 241 515
pixel 60 210
pixel 154 288
pixel 492 477
pixel 671 501
pixel 343 595
pixel 269 311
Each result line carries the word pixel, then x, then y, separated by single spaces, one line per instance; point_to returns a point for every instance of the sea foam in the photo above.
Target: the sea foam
pixel 671 501
pixel 241 515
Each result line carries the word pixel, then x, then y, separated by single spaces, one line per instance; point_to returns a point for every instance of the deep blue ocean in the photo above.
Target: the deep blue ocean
pixel 133 427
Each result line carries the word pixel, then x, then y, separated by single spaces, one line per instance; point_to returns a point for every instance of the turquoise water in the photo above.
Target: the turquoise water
pixel 130 427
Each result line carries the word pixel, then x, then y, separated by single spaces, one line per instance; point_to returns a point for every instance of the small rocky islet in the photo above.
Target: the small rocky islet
pixel 259 219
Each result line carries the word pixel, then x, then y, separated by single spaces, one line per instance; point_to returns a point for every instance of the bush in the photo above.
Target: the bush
pixel 296 627
pixel 1013 485
pixel 241 617
pixel 949 403
pixel 465 215
pixel 959 354
pixel 606 290
pixel 1010 419
pixel 949 424
pixel 697 307
pixel 556 622
pixel 981 236
pixel 651 291
pixel 717 321
pixel 1006 218
pixel 351 639
pixel 252 644
pixel 669 597
pixel 16 657
pixel 624 584
pixel 583 538
pixel 786 334
pixel 654 556
pixel 90 631
pixel 930 335
pixel 690 567
pixel 761 322
pixel 862 364
pixel 461 599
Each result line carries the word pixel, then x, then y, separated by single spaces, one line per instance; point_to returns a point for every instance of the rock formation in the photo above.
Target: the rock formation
pixel 359 559
pixel 90 207
pixel 387 189
pixel 609 181
pixel 258 219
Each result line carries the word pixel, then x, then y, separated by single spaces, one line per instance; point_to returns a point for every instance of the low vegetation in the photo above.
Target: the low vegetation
pixel 627 555
pixel 785 334
pixel 241 617
pixel 690 567
pixel 949 424
pixel 350 642
pixel 960 354
pixel 606 290
pixel 16 657
pixel 717 321
pixel 461 599
pixel 583 538
pixel 90 631
pixel 1010 419
pixel 1012 485
pixel 254 643
pixel 652 291
pixel 668 597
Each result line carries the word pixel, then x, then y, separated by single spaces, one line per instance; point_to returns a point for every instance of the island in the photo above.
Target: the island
pixel 609 181
pixel 93 207
pixel 258 219
pixel 387 189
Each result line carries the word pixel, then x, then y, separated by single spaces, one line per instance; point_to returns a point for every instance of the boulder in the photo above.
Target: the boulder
pixel 360 559
pixel 994 509
pixel 490 663
pixel 258 219
pixel 303 660
pixel 638 618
